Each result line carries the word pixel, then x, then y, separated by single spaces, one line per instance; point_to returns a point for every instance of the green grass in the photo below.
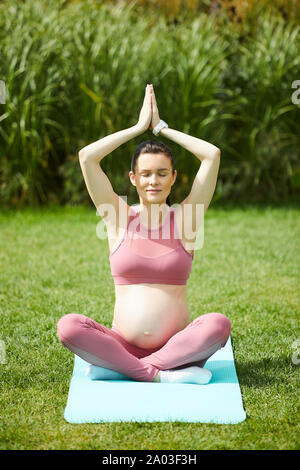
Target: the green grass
pixel 52 263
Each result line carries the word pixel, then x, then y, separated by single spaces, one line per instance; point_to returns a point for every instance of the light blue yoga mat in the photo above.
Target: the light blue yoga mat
pixel 97 401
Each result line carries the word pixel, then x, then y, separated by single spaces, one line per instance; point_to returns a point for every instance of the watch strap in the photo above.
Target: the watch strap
pixel 159 127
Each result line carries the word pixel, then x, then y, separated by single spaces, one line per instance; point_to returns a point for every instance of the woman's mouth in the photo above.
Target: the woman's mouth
pixel 153 190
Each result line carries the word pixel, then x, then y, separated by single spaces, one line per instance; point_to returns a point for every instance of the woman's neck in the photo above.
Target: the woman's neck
pixel 154 213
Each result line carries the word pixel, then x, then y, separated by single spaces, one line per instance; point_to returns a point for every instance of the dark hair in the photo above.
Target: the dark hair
pixel 153 146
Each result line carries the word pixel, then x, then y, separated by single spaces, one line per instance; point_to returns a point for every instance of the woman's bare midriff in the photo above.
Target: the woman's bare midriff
pixel 147 315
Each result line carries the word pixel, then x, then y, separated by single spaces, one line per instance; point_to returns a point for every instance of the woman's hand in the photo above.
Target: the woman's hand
pixel 155 116
pixel 146 111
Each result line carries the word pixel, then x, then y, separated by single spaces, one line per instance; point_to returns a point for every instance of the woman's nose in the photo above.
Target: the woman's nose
pixel 153 178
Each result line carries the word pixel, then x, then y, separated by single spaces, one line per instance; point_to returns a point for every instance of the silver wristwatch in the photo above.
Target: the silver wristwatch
pixel 159 127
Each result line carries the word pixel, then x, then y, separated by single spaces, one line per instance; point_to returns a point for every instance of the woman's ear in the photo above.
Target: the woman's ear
pixel 174 176
pixel 132 178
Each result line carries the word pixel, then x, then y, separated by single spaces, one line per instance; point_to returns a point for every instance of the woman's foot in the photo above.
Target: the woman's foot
pixel 189 375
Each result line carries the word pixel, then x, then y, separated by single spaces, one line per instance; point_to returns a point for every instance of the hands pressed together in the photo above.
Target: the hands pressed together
pixel 149 116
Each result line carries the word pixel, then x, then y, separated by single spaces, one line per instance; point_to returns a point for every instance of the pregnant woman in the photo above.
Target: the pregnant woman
pixel 152 338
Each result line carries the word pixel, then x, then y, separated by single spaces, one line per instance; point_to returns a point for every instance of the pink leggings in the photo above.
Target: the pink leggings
pixel 106 347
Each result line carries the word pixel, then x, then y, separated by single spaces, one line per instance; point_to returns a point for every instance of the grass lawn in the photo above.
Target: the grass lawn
pixel 52 263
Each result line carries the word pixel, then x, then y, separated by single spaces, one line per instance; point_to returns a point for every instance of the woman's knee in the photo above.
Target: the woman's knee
pixel 69 326
pixel 221 324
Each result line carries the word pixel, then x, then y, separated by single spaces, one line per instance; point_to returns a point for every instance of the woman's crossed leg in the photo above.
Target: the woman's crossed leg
pixel 106 347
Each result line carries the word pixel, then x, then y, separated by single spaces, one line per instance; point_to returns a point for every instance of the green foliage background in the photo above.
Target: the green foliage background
pixel 76 71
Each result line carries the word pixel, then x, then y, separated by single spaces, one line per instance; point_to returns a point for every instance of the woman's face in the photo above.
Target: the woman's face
pixel 153 171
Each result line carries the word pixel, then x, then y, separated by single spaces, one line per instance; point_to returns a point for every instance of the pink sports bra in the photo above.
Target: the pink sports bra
pixel 151 256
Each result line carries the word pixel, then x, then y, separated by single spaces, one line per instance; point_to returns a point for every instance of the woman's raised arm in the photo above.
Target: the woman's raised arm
pixel 209 155
pixel 99 149
pixel 102 147
pixel 98 185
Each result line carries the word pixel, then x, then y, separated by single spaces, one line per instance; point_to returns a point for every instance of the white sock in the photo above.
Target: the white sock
pixel 100 373
pixel 189 375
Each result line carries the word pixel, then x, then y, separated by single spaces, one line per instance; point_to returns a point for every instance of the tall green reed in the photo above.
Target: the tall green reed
pixel 77 72
pixel 262 138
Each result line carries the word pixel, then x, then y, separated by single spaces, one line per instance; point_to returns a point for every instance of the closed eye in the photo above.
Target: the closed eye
pixel 159 175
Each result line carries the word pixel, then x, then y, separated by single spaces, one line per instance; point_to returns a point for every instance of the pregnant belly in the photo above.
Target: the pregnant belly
pixel 147 318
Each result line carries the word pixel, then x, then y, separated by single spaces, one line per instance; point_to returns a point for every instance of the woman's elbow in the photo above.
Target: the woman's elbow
pixel 218 152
